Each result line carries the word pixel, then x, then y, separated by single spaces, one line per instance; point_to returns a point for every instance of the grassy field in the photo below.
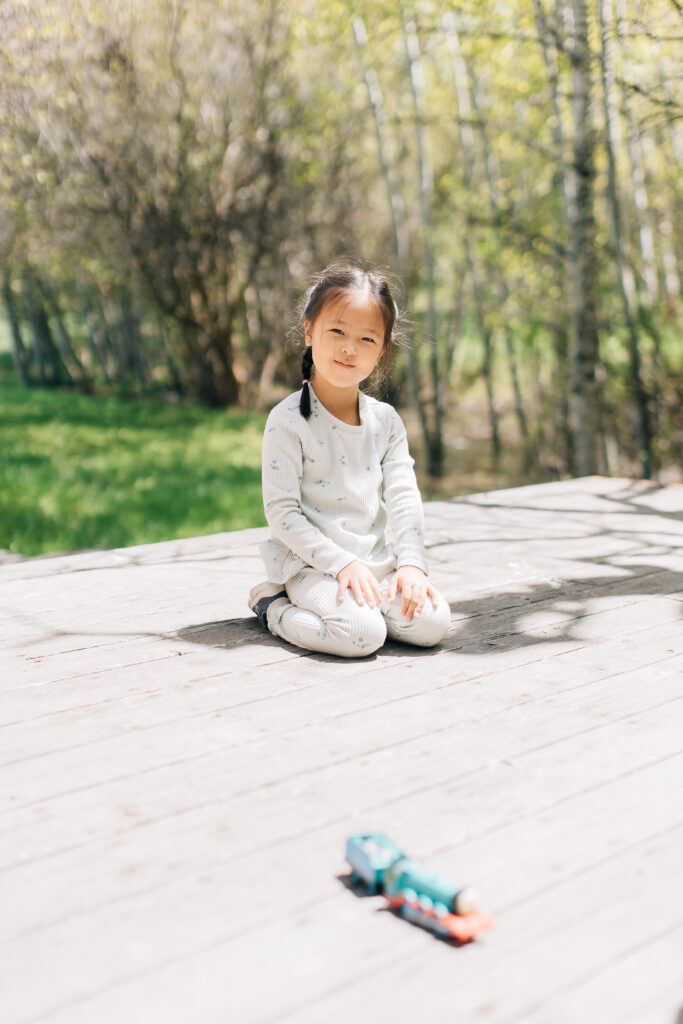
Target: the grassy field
pixel 98 472
pixel 89 472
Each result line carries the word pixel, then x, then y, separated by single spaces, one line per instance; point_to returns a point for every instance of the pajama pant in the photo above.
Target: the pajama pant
pixel 312 617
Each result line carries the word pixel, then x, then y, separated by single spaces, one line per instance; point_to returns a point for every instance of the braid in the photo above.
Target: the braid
pixel 306 367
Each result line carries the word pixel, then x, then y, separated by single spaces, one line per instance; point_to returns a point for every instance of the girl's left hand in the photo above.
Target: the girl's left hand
pixel 415 589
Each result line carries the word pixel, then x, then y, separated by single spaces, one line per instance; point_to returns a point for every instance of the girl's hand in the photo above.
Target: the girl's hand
pixel 415 589
pixel 362 583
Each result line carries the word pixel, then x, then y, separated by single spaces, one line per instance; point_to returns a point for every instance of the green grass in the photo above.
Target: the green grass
pixel 91 472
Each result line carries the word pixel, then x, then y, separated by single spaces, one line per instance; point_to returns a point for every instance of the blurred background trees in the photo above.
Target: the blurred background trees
pixel 172 172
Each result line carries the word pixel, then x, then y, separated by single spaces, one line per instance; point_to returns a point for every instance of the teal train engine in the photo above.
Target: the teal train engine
pixel 426 897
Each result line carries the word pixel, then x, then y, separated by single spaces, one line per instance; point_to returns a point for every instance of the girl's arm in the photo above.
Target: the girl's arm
pixel 402 498
pixel 282 473
pixel 406 519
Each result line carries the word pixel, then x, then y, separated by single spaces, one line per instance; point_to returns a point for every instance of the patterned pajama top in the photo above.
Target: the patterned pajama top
pixel 334 492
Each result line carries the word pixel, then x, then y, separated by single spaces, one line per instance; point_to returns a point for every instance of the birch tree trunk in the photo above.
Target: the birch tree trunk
pixel 434 436
pixel 564 182
pixel 651 236
pixel 396 204
pixel 376 101
pixel 501 288
pixel 465 116
pixel 582 228
pixel 625 276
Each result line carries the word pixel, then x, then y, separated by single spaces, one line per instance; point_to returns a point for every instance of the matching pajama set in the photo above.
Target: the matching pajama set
pixel 333 493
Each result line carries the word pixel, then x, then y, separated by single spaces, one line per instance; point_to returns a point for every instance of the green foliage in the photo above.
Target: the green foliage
pixel 84 472
pixel 170 174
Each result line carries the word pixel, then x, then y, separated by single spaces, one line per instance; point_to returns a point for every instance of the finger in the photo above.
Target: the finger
pixel 357 592
pixel 341 591
pixel 405 603
pixel 420 604
pixel 433 595
pixel 368 593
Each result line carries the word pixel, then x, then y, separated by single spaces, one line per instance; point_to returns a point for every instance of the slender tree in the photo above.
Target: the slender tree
pixel 564 186
pixel 474 263
pixel 585 338
pixel 434 433
pixel 625 276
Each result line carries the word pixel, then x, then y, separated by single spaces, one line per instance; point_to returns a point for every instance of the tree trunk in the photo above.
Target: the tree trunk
pixel 176 381
pixel 625 278
pixel 205 386
pixel 465 113
pixel 67 351
pixel 487 367
pixel 95 345
pixel 501 289
pixel 51 369
pixel 585 337
pixel 130 340
pixel 396 206
pixel 20 354
pixel 376 101
pixel 435 442
pixel 564 182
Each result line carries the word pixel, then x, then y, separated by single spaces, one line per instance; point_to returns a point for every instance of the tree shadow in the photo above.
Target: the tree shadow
pixel 497 622
pixel 487 624
pixel 483 625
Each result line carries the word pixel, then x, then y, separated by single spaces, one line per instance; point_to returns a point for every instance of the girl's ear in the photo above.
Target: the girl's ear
pixel 308 336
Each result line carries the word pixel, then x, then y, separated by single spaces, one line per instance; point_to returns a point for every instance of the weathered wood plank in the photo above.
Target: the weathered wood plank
pixel 60 706
pixel 465 808
pixel 211 745
pixel 299 969
pixel 173 822
pixel 583 927
pixel 566 837
pixel 534 801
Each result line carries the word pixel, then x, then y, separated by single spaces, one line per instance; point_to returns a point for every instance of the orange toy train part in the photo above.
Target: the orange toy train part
pixel 463 927
pixel 415 891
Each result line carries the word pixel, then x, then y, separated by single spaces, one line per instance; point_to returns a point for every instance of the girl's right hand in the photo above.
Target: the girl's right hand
pixel 362 583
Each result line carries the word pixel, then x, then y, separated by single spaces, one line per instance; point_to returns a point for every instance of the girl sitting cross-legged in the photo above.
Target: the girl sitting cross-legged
pixel 345 560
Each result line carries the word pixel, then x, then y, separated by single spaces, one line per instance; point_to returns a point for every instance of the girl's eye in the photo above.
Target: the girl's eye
pixel 371 340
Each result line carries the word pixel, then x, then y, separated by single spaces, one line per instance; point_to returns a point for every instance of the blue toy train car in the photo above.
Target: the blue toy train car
pixel 426 897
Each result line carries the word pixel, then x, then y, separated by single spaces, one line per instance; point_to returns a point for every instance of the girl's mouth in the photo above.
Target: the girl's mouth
pixel 346 366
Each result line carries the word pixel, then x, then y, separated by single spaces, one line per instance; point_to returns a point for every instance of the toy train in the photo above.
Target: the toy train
pixel 419 894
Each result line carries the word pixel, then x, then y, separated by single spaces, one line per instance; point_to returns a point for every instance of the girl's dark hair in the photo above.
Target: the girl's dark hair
pixel 336 280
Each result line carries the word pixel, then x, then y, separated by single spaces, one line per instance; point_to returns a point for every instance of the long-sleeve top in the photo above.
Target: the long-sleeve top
pixel 334 492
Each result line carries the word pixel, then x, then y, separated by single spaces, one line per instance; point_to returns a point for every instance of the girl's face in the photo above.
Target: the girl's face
pixel 347 338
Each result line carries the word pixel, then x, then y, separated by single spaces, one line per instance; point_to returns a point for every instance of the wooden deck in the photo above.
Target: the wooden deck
pixel 177 785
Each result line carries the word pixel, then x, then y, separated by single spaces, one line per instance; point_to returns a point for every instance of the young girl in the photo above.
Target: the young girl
pixel 345 561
